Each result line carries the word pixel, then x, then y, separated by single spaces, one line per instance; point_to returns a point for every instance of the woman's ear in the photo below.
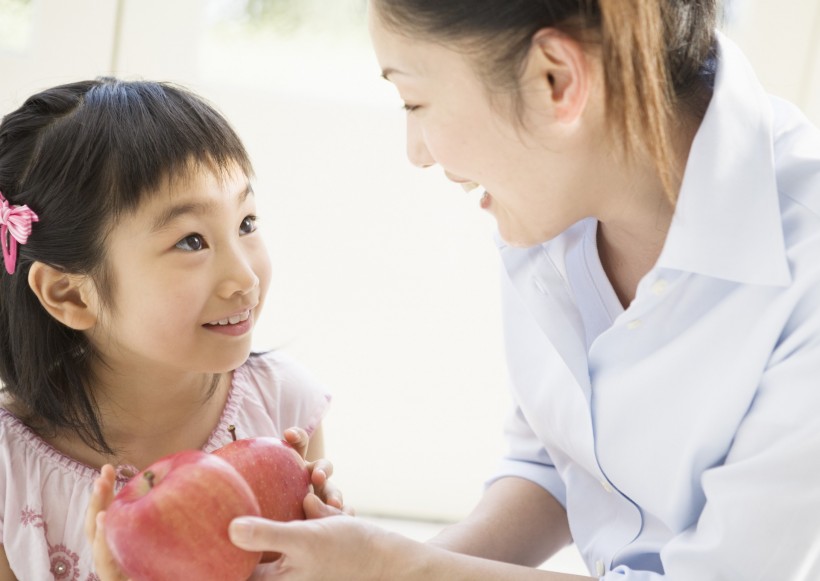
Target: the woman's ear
pixel 560 64
pixel 69 298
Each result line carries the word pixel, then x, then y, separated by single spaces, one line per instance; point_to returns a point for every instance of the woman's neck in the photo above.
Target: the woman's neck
pixel 636 214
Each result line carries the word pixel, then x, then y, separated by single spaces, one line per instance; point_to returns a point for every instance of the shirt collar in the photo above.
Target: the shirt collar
pixel 727 221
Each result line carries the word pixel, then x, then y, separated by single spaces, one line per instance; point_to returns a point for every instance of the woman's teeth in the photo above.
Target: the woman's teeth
pixel 232 320
pixel 470 186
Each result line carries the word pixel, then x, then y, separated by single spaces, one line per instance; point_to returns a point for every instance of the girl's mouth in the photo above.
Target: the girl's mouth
pixel 232 320
pixel 234 326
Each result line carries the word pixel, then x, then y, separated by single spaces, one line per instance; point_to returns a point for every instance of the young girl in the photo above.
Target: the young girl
pixel 659 222
pixel 134 275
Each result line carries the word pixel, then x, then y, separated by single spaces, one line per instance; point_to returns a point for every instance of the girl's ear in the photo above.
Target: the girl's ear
pixel 69 298
pixel 563 69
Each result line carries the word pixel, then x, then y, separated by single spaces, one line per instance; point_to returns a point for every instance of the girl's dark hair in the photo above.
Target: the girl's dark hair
pixel 81 156
pixel 653 52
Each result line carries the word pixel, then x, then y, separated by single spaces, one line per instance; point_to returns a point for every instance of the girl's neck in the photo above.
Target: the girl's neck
pixel 146 417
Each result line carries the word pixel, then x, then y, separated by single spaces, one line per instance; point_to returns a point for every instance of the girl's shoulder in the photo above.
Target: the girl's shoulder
pixel 43 495
pixel 273 392
pixel 18 442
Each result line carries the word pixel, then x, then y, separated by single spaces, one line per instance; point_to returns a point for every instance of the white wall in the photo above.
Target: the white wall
pixel 385 276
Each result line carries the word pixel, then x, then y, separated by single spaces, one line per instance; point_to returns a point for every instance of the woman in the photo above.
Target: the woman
pixel 659 221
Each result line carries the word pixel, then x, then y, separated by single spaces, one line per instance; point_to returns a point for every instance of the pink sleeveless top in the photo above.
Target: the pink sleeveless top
pixel 44 494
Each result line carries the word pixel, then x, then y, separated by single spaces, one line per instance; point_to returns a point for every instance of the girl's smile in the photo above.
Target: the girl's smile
pixel 235 325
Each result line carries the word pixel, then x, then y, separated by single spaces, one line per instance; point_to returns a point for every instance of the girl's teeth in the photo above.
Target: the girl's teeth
pixel 232 320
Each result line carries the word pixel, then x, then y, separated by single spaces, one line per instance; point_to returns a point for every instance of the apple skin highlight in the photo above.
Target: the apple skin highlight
pixel 170 521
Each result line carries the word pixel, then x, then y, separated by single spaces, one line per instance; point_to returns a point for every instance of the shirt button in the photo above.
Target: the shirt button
pixel 599 568
pixel 659 287
pixel 632 325
pixel 607 486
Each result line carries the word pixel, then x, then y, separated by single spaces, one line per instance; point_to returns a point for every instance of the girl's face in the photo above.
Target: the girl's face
pixel 190 272
pixel 531 168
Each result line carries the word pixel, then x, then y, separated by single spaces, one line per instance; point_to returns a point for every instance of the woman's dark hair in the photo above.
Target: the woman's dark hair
pixel 653 52
pixel 81 156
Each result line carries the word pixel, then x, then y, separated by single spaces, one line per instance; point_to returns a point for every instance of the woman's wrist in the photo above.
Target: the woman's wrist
pixel 402 559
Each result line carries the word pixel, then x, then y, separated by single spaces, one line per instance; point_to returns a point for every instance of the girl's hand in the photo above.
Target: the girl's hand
pixel 348 545
pixel 107 569
pixel 320 471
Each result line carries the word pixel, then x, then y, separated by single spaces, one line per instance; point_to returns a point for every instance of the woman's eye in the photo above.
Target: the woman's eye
pixel 191 243
pixel 409 108
pixel 248 225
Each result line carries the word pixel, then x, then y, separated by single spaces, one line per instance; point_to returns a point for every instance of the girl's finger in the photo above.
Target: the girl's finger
pixel 299 439
pixel 101 497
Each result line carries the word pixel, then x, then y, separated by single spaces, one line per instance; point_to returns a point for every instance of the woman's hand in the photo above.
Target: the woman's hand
pixel 340 547
pixel 101 497
pixel 320 469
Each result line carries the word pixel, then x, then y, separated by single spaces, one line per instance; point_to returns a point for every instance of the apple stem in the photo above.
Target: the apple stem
pixel 232 430
pixel 149 476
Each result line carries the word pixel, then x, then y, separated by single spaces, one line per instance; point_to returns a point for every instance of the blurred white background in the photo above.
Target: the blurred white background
pixel 385 275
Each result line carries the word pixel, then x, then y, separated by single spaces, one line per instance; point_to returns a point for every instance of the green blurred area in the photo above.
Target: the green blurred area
pixel 288 17
pixel 15 24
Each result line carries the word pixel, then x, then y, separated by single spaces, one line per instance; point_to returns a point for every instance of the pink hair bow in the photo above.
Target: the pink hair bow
pixel 15 227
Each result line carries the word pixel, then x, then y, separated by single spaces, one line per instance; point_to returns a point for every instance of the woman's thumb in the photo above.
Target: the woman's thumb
pixel 256 534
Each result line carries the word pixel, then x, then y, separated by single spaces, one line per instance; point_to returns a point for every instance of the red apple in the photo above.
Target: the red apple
pixel 276 472
pixel 170 521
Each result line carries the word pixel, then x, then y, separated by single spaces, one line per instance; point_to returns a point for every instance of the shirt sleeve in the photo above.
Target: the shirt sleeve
pixel 526 458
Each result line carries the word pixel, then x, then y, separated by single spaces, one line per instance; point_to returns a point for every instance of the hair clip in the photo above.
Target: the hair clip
pixel 15 228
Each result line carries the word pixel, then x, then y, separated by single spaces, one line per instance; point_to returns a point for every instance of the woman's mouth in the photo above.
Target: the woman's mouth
pixel 485 200
pixel 470 186
pixel 475 187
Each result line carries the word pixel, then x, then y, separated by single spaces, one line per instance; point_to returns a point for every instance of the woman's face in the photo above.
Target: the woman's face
pixel 531 167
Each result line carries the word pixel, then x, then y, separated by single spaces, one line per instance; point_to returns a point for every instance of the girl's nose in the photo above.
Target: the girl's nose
pixel 417 151
pixel 238 275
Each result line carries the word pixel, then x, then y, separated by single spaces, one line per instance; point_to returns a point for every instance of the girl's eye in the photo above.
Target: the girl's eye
pixel 191 243
pixel 248 225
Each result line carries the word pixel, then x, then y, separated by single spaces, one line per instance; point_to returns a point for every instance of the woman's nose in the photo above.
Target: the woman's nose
pixel 417 151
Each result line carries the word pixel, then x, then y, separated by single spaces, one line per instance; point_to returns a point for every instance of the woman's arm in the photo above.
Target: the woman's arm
pixel 516 521
pixel 5 568
pixel 346 548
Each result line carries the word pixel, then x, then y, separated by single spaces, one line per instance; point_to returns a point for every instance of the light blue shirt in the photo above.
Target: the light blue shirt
pixel 682 434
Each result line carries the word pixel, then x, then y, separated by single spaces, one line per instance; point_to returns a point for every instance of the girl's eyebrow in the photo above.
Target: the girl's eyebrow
pixel 171 213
